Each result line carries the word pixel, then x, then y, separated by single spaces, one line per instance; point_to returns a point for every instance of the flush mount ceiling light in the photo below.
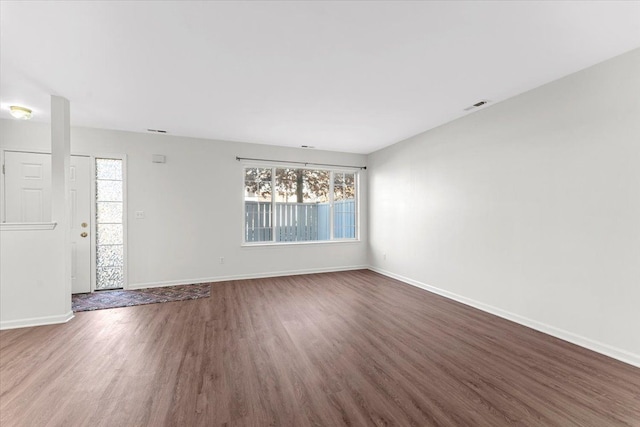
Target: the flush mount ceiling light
pixel 20 113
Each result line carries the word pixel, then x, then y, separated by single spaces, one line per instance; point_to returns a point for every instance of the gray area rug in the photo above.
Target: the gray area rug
pixel 100 300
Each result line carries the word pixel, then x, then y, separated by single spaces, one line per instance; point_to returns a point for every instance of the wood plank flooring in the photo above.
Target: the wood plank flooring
pixel 349 348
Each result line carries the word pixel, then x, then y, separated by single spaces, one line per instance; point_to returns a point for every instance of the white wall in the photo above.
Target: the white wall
pixel 193 205
pixel 32 288
pixel 529 208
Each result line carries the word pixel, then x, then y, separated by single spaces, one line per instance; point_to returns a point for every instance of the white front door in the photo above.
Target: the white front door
pixel 80 200
pixel 28 199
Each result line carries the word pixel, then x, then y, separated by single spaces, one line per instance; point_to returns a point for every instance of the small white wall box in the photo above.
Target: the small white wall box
pixel 159 158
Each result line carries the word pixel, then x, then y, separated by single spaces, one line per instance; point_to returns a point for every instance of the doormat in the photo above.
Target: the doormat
pixel 119 298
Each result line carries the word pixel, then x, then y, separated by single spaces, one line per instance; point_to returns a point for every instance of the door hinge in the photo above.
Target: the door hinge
pixel 3 169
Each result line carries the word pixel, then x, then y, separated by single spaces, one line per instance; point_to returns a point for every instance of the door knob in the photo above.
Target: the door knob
pixel 83 234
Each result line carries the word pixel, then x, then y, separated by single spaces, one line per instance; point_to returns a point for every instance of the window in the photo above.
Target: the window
pixel 283 204
pixel 109 224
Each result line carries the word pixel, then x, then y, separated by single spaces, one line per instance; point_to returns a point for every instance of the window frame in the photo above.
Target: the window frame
pixel 331 170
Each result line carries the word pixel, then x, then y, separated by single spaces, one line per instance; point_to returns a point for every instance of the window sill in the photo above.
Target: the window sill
pixel 27 226
pixel 312 242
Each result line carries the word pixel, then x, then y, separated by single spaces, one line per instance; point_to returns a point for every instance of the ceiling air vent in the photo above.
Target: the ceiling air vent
pixel 156 131
pixel 477 105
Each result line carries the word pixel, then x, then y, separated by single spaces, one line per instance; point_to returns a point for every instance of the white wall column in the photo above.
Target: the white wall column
pixel 60 166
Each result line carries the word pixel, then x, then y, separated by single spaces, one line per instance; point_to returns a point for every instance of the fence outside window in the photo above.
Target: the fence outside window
pixel 299 222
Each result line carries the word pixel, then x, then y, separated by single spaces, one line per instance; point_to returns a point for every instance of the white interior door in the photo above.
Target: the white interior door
pixel 27 187
pixel 28 199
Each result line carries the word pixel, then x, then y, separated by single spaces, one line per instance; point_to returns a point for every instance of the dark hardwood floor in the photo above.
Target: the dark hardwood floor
pixel 349 348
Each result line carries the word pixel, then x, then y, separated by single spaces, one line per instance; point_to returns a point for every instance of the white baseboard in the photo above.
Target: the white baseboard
pixel 598 347
pixel 36 321
pixel 245 276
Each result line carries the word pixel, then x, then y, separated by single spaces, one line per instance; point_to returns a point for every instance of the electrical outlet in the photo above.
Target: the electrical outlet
pixel 139 214
pixel 384 256
pixel 221 260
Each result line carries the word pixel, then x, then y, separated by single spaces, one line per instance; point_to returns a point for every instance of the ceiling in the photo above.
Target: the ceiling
pixel 344 76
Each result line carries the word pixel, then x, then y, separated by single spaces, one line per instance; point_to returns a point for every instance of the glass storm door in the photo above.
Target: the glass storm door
pixel 109 224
